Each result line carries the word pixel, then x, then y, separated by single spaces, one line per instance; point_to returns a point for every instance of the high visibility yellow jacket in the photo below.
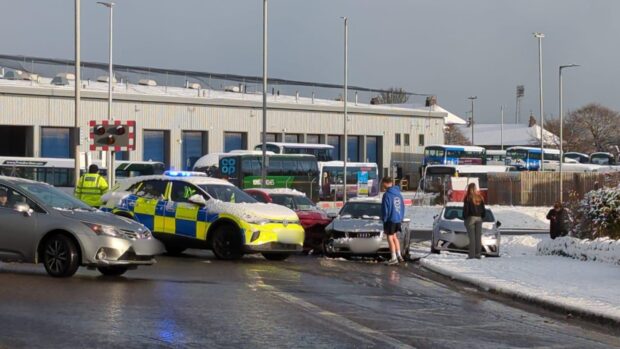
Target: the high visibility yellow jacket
pixel 90 187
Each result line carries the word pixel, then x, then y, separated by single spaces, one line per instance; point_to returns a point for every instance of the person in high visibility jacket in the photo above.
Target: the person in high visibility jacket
pixel 91 186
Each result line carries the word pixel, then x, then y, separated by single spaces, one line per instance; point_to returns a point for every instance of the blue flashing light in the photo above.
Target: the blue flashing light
pixel 183 174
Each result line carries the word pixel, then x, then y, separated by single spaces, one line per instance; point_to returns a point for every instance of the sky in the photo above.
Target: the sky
pixel 450 48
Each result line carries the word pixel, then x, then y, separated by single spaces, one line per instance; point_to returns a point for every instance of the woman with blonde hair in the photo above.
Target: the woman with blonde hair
pixel 473 214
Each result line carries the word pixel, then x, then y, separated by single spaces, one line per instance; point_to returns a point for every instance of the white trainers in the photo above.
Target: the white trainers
pixel 393 261
pixel 401 259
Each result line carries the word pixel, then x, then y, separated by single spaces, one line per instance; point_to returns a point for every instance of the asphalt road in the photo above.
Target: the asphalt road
pixel 196 301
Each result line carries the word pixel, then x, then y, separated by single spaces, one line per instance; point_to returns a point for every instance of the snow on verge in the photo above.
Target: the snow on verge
pixel 575 286
pixel 602 250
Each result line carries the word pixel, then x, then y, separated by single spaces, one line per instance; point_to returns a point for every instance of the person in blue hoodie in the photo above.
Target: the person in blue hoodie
pixel 392 214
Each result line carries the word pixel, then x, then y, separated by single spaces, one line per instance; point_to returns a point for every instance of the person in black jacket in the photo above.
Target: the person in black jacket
pixel 473 214
pixel 559 221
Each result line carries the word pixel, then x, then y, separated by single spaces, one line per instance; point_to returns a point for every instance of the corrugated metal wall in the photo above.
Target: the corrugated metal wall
pixel 52 110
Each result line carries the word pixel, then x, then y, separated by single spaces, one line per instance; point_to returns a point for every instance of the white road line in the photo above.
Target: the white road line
pixel 344 325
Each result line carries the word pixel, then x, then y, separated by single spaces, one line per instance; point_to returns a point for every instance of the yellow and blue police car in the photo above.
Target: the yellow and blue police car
pixel 190 210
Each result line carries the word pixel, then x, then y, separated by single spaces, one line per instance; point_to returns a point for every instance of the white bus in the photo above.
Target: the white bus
pixel 331 179
pixel 496 157
pixel 437 177
pixel 59 171
pixel 322 152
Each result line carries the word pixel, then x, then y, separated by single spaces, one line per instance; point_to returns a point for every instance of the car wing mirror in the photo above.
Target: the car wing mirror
pixel 332 215
pixel 499 224
pixel 406 220
pixel 198 200
pixel 24 209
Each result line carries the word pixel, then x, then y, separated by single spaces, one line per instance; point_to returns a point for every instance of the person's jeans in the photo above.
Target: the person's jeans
pixel 474 230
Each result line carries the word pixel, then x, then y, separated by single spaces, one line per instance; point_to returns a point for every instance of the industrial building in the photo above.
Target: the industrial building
pixel 177 125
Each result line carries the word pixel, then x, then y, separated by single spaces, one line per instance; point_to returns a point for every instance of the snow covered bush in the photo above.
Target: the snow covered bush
pixel 600 250
pixel 598 214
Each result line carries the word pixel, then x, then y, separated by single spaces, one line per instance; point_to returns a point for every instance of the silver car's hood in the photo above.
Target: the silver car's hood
pixel 103 218
pixel 355 225
pixel 459 225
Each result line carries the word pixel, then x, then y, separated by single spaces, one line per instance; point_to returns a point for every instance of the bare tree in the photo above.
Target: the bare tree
pixel 592 128
pixel 393 95
pixel 453 135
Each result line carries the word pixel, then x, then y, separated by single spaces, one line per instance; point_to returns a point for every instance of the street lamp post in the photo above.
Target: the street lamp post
pixel 263 171
pixel 562 130
pixel 346 79
pixel 540 36
pixel 110 153
pixel 76 172
pixel 472 99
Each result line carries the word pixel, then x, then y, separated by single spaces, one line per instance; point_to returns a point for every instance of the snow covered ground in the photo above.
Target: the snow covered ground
pixel 512 217
pixel 577 286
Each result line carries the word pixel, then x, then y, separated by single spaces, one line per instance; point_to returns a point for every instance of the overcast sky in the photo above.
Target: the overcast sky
pixel 451 48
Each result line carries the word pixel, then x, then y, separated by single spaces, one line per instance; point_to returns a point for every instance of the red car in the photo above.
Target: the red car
pixel 313 219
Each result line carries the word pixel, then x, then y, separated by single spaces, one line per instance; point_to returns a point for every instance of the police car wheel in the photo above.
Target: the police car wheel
pixel 116 270
pixel 276 256
pixel 174 250
pixel 227 243
pixel 60 256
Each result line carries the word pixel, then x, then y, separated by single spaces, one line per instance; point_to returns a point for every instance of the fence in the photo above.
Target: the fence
pixel 543 188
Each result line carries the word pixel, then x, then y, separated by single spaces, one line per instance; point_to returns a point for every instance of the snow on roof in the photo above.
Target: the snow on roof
pixel 450 119
pixel 372 200
pixel 198 180
pixel 513 134
pixel 300 145
pixel 536 149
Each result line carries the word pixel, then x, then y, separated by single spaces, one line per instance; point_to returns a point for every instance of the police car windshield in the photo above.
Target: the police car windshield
pixel 361 209
pixel 53 197
pixel 227 193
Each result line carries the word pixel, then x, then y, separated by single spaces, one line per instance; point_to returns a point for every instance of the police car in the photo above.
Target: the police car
pixel 190 210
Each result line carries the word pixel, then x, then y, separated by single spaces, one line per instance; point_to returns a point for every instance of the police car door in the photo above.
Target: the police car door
pixel 186 217
pixel 149 206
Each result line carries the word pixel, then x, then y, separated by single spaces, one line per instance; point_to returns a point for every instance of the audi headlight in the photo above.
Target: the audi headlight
pixel 105 230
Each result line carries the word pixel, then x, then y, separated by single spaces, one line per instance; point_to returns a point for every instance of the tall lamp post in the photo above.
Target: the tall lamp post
pixel 110 153
pixel 562 130
pixel 540 36
pixel 346 79
pixel 472 99
pixel 76 172
pixel 263 171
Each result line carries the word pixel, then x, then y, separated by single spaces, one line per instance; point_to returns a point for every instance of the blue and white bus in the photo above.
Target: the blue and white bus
pixel 454 155
pixel 528 158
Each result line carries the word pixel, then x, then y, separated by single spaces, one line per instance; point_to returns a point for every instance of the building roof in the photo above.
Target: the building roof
pixel 450 118
pixel 513 135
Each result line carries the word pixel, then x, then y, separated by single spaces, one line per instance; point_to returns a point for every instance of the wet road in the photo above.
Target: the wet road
pixel 196 301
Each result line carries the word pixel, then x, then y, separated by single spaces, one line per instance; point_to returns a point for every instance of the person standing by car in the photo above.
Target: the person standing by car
pixel 392 214
pixel 558 221
pixel 91 186
pixel 473 214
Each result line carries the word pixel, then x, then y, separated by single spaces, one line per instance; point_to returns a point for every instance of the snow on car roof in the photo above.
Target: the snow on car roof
pixel 372 200
pixel 270 191
pixel 196 180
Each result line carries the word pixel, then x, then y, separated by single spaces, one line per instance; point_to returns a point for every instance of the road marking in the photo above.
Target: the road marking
pixel 344 325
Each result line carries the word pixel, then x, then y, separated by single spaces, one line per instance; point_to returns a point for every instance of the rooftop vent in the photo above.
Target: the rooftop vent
pixel 60 81
pixel 232 89
pixel 194 86
pixel 147 82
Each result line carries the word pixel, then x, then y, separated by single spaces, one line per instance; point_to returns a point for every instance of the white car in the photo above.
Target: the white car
pixel 449 233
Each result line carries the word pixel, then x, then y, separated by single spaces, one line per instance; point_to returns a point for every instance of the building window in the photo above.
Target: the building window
pixel 272 137
pixel 194 146
pixel 235 141
pixel 55 142
pixel 155 147
pixel 292 138
pixel 372 149
pixel 407 140
pixel 313 139
pixel 353 145
pixel 397 139
pixel 335 142
pixel 421 140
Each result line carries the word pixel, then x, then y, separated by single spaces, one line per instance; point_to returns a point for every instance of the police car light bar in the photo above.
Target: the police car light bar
pixel 184 174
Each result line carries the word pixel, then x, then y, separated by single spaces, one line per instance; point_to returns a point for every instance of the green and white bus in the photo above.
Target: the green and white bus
pixel 243 169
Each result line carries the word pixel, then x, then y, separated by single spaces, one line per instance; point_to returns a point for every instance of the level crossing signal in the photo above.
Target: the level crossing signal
pixel 113 135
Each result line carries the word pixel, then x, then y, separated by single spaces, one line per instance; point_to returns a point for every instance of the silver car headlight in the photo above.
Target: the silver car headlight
pixel 104 230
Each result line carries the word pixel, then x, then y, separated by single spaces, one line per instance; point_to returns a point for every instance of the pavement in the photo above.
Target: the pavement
pixel 196 301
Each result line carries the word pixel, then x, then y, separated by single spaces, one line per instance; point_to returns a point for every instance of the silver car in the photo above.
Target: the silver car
pixel 358 231
pixel 41 224
pixel 449 233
